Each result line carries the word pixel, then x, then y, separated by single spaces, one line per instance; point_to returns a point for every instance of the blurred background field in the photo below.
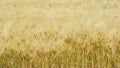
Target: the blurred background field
pixel 59 34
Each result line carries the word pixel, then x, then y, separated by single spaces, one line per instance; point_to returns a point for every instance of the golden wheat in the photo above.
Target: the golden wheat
pixel 60 34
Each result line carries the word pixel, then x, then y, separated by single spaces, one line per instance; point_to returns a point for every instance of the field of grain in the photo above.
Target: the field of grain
pixel 59 33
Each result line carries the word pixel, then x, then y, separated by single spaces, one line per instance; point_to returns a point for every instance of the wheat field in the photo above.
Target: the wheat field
pixel 59 33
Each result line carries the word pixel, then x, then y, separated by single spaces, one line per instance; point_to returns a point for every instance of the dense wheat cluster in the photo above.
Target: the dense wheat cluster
pixel 59 34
